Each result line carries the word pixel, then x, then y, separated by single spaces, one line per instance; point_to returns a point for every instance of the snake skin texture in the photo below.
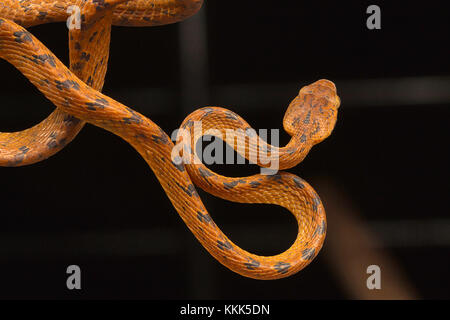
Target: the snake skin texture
pixel 309 119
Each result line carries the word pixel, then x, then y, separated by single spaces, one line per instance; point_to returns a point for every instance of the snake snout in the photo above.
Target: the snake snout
pixel 323 89
pixel 326 83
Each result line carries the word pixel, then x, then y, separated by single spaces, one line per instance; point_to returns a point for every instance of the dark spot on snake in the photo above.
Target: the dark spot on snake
pixel 255 184
pixel 18 159
pixel 63 141
pixel 77 46
pixel 52 144
pixel 308 254
pixel 298 183
pixel 206 218
pixel 24 149
pixel 303 138
pixel 226 245
pixel 93 36
pixel 136 118
pixel 295 121
pixel 291 151
pixel 282 267
pixel 102 101
pixel 316 202
pixel 78 66
pixel 85 56
pixel 230 185
pixel 162 138
pixel 42 15
pixel 22 36
pixel 252 264
pixel 308 118
pixel 67 84
pixel 95 69
pixel 275 177
pixel 188 124
pixel 205 173
pixel 230 115
pixel 99 2
pixel 317 129
pixel 44 58
pixel 71 120
pixel 91 106
pixel 320 229
pixel 206 112
pixel 190 190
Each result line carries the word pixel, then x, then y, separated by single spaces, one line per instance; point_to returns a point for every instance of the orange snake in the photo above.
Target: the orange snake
pixel 309 119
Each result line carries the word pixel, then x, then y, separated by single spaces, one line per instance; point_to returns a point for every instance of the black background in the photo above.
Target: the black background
pixel 96 203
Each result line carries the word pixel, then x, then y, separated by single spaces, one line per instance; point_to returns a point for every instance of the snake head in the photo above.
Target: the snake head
pixel 313 113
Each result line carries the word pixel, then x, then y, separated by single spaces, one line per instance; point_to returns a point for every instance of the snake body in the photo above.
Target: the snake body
pixel 309 119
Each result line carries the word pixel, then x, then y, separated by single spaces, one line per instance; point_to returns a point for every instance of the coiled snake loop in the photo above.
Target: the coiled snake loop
pixel 309 119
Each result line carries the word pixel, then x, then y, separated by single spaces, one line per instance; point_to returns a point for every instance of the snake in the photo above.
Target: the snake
pixel 75 91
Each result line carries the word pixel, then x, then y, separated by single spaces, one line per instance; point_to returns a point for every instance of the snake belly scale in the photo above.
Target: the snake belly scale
pixel 76 93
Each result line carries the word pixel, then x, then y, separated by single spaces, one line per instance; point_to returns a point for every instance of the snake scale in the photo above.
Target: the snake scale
pixel 76 93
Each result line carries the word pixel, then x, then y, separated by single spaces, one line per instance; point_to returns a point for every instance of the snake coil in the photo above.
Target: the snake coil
pixel 76 93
